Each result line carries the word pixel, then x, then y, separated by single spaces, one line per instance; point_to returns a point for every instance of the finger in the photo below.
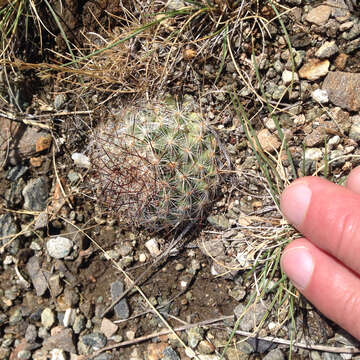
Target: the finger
pixel 325 282
pixel 353 180
pixel 328 215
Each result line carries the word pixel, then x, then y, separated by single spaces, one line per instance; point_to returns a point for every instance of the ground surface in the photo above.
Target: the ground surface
pixel 54 292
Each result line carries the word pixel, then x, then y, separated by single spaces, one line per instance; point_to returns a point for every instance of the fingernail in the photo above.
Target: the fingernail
pixel 298 265
pixel 295 201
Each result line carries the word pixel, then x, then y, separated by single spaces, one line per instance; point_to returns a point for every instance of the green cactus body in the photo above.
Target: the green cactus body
pixel 156 167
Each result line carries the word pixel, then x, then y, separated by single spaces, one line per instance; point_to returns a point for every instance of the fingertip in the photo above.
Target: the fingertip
pixel 353 180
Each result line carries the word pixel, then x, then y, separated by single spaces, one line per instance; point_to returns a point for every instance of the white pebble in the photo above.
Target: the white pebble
pixel 142 257
pixel 153 247
pixel 321 96
pixel 59 247
pixel 289 76
pixel 81 160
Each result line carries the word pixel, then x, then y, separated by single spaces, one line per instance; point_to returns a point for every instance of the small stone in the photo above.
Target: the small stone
pixel 16 172
pixel 238 292
pixel 206 347
pixel 24 354
pixel 314 69
pixel 153 247
pixel 71 297
pixel 121 308
pixel 321 96
pixel 36 161
pixel 319 15
pixel 343 89
pixel 354 133
pixel 59 101
pixel 57 354
pixel 275 354
pixel 62 339
pixel 108 327
pixel 326 50
pixel 81 160
pixel 340 61
pixel 36 275
pixel 169 354
pixel 69 317
pixel 250 317
pixel 289 76
pixel 8 227
pixel 96 340
pixel 31 334
pixel 142 258
pixel 55 285
pixel 79 324
pixel 35 194
pixel 155 351
pixel 43 143
pixel 313 154
pixel 59 247
pixel 269 142
pixel 47 318
pixel 220 221
pixel 194 335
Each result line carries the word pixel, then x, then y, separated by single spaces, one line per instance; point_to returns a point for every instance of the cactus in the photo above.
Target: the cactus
pixel 156 167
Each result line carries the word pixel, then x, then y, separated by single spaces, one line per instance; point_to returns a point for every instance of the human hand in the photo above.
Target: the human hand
pixel 325 265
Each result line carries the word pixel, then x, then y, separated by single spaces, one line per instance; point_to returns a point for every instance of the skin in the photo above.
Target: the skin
pixel 325 264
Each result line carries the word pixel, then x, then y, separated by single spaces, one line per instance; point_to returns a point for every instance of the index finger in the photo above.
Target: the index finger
pixel 328 215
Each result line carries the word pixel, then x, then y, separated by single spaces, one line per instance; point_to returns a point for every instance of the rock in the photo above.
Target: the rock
pixel 288 76
pixel 7 227
pixel 194 335
pixel 313 154
pixel 59 247
pixel 340 61
pixel 62 339
pixel 36 193
pixel 269 142
pixel 316 137
pixel 252 316
pixel 43 143
pixel 153 247
pixel 24 355
pixel 343 89
pixel 71 297
pixel 339 8
pixel 13 194
pixel 79 324
pixel 326 50
pixel 353 33
pixel 96 340
pixel 121 308
pixel 169 354
pixel 220 221
pixel 355 128
pixel 155 351
pixel 31 334
pixel 330 356
pixel 175 4
pixel 47 318
pixel 55 285
pixel 108 327
pixel 59 101
pixel 319 15
pixel 320 96
pixel 275 354
pixel 16 172
pixel 81 160
pixel 314 69
pixel 69 317
pixel 206 347
pixel 36 275
pixel 57 354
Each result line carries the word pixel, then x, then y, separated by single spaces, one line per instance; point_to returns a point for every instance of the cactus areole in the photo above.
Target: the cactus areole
pixel 156 166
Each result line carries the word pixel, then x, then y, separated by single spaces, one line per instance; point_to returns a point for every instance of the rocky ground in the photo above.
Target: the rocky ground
pixel 64 260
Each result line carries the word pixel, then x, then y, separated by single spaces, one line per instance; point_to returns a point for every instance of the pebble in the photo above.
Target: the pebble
pixel 36 193
pixel 31 333
pixel 320 96
pixel 355 128
pixel 169 354
pixel 314 69
pixel 252 316
pixel 121 309
pixel 57 354
pixel 7 227
pixel 206 347
pixel 36 275
pixel 275 354
pixel 59 247
pixel 16 172
pixel 24 354
pixel 96 340
pixel 153 247
pixel 47 318
pixel 69 317
pixel 289 76
pixel 313 154
pixel 79 323
pixel 326 50
pixel 108 327
pixel 59 101
pixel 61 338
pixel 81 160
pixel 319 15
pixel 343 89
pixel 55 285
pixel 155 351
pixel 194 335
pixel 268 141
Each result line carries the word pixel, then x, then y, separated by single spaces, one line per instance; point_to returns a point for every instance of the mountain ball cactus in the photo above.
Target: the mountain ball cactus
pixel 156 166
